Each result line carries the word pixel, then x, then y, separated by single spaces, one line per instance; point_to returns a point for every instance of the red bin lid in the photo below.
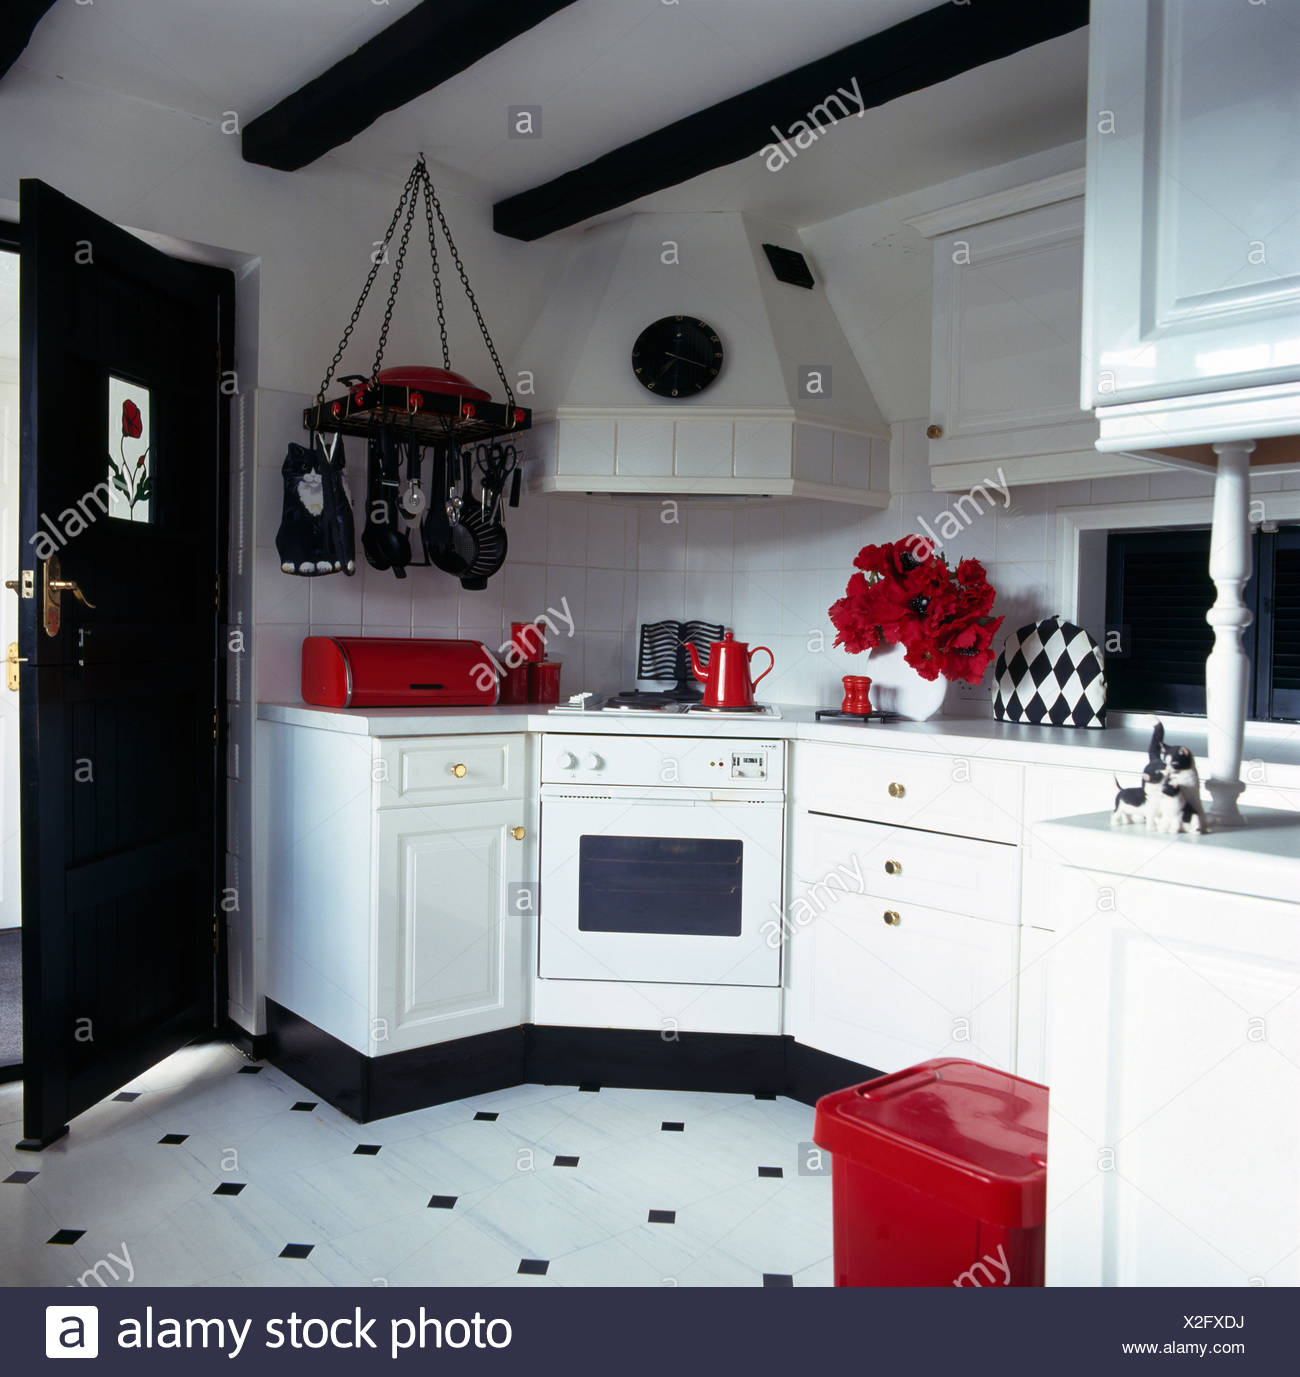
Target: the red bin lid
pixel 968 1134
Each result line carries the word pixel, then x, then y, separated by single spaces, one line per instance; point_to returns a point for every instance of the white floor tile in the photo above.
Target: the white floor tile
pixel 367 1218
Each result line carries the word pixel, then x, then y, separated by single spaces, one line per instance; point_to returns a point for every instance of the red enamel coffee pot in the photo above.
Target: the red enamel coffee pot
pixel 727 683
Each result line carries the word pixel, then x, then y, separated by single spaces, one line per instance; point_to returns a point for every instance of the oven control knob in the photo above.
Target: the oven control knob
pixel 591 761
pixel 566 760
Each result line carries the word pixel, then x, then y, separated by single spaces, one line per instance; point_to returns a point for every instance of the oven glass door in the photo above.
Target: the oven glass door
pixel 679 891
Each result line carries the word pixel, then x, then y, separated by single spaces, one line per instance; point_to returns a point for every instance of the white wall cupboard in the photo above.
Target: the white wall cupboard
pixel 1191 322
pixel 389 870
pixel 1004 364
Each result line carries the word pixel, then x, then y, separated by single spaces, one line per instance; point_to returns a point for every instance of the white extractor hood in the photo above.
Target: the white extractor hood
pixel 750 434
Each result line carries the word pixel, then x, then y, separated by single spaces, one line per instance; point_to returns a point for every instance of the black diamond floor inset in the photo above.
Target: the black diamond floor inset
pixel 366 1149
pixel 662 1217
pixel 172 1139
pixel 230 1188
pixel 669 1126
pixel 533 1267
pixel 777 1279
pixel 771 1171
pixel 442 1202
pixel 304 1106
pixel 590 1087
pixel 66 1236
pixel 297 1250
pixel 487 1116
pixel 21 1178
pixel 126 1096
pixel 249 1071
pixel 566 1161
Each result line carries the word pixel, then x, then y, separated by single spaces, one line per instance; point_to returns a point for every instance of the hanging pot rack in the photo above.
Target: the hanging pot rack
pixel 445 411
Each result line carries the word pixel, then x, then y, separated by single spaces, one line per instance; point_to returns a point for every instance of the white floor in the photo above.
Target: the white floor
pixel 448 1199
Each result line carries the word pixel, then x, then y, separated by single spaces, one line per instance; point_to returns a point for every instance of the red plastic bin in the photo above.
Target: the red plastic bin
pixel 939 1177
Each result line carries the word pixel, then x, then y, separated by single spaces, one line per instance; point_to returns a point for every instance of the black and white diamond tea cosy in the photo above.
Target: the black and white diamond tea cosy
pixel 1051 674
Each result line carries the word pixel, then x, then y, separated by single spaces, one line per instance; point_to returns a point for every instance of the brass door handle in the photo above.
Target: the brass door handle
pixel 70 586
pixel 459 771
pixel 518 833
pixel 893 867
pixel 892 917
pixel 54 586
pixel 12 661
pixel 896 791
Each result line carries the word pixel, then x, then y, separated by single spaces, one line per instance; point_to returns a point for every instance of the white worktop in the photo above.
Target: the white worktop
pixel 1121 748
pixel 1260 858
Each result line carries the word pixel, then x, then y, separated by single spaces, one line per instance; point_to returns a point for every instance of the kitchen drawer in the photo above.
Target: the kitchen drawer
pixel 960 794
pixel 905 865
pixel 892 993
pixel 467 769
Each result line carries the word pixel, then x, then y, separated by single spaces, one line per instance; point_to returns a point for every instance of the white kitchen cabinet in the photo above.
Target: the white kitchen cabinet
pixel 388 867
pixel 908 865
pixel 449 951
pixel 957 792
pixel 903 938
pixel 1192 260
pixel 1004 362
pixel 890 984
pixel 1174 1031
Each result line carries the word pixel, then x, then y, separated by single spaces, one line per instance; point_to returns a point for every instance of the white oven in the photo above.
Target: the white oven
pixel 661 860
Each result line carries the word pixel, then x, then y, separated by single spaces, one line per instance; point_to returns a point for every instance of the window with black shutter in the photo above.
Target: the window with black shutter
pixel 1158 590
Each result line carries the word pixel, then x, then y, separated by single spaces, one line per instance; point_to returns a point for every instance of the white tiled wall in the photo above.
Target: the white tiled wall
pixel 767 569
pixel 561 548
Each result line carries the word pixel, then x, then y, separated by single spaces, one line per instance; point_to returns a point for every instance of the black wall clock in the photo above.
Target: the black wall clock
pixel 677 356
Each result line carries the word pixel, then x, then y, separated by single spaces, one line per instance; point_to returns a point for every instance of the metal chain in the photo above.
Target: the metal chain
pixel 437 276
pixel 419 177
pixel 469 291
pixel 397 282
pixel 377 261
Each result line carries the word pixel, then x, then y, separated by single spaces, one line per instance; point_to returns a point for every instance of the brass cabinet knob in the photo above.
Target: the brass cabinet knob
pixel 933 432
pixel 518 833
pixel 896 790
pixel 892 917
pixel 459 771
pixel 893 867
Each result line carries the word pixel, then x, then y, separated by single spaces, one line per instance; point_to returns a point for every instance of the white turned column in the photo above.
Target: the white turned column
pixel 1227 671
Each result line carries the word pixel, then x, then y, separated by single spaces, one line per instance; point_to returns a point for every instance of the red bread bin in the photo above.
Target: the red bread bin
pixel 938 1177
pixel 396 672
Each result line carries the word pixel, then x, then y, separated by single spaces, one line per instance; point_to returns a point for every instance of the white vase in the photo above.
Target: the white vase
pixel 896 687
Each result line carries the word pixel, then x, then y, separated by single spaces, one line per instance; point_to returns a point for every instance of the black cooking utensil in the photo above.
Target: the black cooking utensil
pixel 386 544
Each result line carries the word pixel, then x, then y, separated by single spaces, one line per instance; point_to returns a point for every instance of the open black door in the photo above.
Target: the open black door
pixel 123 485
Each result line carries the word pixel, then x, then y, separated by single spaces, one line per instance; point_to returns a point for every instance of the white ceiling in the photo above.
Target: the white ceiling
pixel 603 71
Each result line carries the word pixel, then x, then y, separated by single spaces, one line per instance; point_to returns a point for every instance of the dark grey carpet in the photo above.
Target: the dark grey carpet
pixel 11 999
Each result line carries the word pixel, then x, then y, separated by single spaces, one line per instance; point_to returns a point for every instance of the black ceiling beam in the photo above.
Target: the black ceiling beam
pixel 931 47
pixel 20 21
pixel 437 39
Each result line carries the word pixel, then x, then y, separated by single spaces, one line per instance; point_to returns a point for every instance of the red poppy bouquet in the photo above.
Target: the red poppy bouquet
pixel 905 593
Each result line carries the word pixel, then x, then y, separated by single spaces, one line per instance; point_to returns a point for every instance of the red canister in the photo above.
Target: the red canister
pixel 529 641
pixel 856 690
pixel 544 682
pixel 514 685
